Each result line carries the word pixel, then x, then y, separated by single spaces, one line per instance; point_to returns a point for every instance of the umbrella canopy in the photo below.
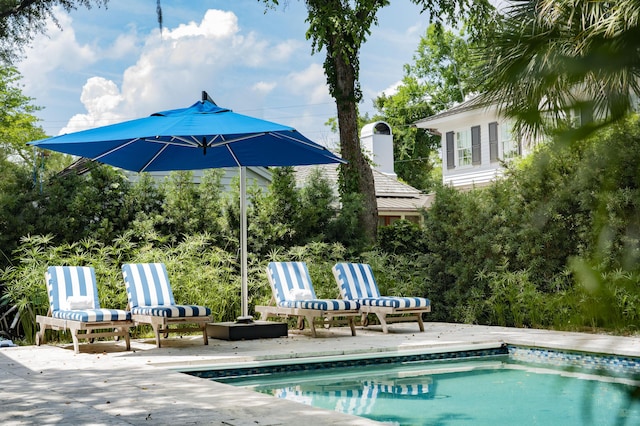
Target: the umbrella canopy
pixel 202 136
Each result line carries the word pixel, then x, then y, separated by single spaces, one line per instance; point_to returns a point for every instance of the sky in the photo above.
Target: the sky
pixel 109 65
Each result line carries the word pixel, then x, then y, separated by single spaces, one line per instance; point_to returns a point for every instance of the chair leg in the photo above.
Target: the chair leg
pixel 41 335
pixel 420 323
pixel 383 322
pixel 204 334
pixel 76 344
pixel 312 326
pixel 352 325
pixel 127 339
pixel 156 329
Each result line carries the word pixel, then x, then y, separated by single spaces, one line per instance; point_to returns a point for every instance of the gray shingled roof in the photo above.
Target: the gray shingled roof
pixel 473 103
pixel 392 195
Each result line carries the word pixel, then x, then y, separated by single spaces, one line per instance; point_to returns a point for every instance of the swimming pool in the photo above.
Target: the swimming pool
pixel 506 385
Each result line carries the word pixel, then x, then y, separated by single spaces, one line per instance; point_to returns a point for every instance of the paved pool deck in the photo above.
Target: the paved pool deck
pixel 106 385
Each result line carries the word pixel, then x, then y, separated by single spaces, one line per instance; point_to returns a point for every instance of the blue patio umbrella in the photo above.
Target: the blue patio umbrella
pixel 202 136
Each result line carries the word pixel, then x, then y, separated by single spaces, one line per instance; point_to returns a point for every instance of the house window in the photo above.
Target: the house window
pixel 463 146
pixel 574 117
pixel 412 219
pixel 510 146
pixel 387 220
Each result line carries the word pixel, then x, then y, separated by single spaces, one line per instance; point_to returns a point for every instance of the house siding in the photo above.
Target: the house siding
pixel 259 176
pixel 487 149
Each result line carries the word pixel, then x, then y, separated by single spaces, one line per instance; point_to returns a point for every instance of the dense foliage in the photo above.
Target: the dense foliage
pixel 555 244
pixel 551 56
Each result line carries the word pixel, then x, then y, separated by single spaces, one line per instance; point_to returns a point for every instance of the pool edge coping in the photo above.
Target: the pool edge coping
pixel 328 356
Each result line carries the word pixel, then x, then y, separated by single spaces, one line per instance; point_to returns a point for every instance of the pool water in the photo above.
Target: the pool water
pixel 491 391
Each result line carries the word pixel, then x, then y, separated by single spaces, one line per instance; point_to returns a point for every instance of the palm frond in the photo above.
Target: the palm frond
pixel 549 57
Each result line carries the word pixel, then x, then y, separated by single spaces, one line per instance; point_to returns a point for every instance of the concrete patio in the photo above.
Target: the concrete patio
pixel 106 385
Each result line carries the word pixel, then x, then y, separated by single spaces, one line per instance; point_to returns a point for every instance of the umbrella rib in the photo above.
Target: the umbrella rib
pixel 229 141
pixel 234 156
pixel 312 144
pixel 153 159
pixel 274 134
pixel 188 142
pixel 192 142
pixel 309 144
pixel 111 151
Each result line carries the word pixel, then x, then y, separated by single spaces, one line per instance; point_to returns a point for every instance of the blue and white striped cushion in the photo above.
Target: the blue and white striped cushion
pixel 149 292
pixel 174 311
pixel 288 277
pixel 356 282
pixel 321 304
pixel 70 281
pixel 396 302
pixel 147 284
pixel 93 315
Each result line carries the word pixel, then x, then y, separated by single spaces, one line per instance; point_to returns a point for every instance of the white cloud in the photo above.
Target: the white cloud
pixel 171 71
pixel 101 98
pixel 264 87
pixel 125 45
pixel 392 89
pixel 215 24
pixel 285 50
pixel 415 30
pixel 311 82
pixel 59 50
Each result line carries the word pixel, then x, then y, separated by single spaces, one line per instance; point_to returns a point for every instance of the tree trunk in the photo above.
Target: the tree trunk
pixel 357 175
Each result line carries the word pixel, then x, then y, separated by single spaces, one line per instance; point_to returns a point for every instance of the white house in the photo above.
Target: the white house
pixel 475 141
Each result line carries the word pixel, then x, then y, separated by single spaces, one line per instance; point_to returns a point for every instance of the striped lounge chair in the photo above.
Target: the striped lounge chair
pixel 294 296
pixel 151 302
pixel 74 306
pixel 356 282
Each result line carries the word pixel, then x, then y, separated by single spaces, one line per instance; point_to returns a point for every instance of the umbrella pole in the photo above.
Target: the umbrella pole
pixel 243 246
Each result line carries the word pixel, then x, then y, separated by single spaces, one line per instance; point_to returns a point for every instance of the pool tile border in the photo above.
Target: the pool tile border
pixel 381 360
pixel 611 364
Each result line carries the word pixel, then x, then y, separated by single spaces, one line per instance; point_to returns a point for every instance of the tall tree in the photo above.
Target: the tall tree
pixel 442 73
pixel 21 20
pixel 551 56
pixel 341 27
